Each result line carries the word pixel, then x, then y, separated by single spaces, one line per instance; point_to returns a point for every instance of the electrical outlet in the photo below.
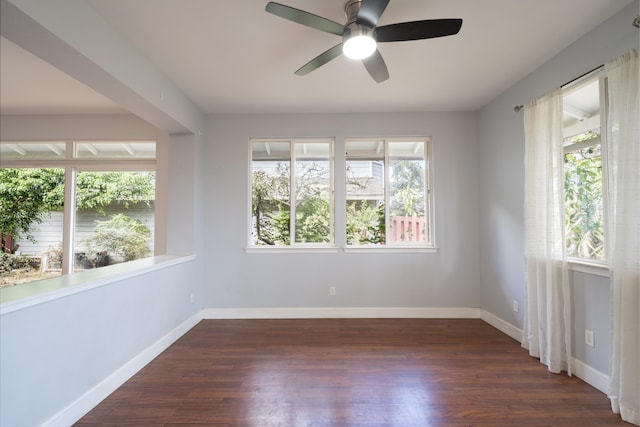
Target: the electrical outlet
pixel 332 290
pixel 514 305
pixel 588 338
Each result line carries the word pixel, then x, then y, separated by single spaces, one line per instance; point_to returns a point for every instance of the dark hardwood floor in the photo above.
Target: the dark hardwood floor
pixel 350 372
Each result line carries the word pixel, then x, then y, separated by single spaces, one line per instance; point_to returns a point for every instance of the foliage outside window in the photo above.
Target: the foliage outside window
pixel 583 177
pixel 292 192
pixel 28 197
pixel 388 198
pixel 113 212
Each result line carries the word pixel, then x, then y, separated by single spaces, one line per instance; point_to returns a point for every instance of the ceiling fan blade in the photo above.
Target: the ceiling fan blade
pixel 320 60
pixel 370 12
pixel 376 67
pixel 305 18
pixel 418 30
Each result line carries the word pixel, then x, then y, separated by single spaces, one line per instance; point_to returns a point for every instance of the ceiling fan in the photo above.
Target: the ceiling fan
pixel 360 34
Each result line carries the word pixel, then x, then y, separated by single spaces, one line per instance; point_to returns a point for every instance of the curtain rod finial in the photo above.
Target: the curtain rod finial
pixel 517 108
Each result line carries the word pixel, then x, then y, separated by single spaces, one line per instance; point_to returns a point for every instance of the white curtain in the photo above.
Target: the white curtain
pixel 547 321
pixel 623 237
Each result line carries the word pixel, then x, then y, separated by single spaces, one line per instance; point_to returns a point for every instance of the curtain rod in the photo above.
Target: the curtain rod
pixel 519 108
pixel 581 76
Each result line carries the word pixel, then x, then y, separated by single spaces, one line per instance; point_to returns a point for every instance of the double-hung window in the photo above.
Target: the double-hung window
pixel 584 189
pixel 292 197
pixel 388 196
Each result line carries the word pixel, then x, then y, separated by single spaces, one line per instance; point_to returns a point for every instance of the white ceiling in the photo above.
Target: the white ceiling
pixel 231 56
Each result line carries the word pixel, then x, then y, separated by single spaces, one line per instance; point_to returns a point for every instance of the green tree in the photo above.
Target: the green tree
pixel 584 203
pixel 96 190
pixel 312 219
pixel 407 188
pixel 365 223
pixel 271 205
pixel 28 195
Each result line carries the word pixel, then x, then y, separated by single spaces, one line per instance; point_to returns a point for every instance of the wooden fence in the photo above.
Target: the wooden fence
pixel 407 229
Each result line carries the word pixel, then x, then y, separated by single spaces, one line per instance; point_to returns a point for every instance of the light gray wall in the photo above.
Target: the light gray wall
pixel 501 172
pixel 53 353
pixel 448 278
pixel 591 310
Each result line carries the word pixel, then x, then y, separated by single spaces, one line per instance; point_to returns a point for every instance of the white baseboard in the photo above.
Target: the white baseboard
pixel 586 373
pixel 591 376
pixel 341 312
pixel 81 406
pixel 503 326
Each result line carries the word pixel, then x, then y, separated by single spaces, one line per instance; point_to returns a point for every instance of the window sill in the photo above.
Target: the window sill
pixel 18 297
pixel 349 249
pixel 391 249
pixel 291 249
pixel 589 267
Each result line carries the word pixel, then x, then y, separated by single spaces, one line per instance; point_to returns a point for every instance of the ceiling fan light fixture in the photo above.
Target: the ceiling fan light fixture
pixel 358 42
pixel 361 33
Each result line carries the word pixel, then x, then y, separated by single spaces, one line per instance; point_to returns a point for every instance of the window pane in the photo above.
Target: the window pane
pixel 114 218
pixel 313 193
pixel 31 220
pixel 270 195
pixel 32 150
pixel 116 150
pixel 407 216
pixel 584 203
pixel 365 216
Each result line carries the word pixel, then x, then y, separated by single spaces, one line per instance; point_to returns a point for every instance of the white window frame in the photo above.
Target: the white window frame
pixel 587 265
pixel 293 245
pixel 71 165
pixel 427 246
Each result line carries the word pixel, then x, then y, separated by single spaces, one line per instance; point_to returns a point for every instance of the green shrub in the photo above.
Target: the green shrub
pixel 10 262
pixel 120 237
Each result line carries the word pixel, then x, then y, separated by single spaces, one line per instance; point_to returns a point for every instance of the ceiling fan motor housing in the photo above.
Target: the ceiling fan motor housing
pixel 351 9
pixel 355 30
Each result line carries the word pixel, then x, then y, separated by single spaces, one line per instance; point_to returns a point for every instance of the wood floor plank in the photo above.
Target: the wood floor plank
pixel 350 372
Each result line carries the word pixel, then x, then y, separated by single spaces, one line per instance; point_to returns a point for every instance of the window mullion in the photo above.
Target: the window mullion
pixel 292 194
pixel 428 177
pixel 332 194
pixel 604 150
pixel 69 214
pixel 387 196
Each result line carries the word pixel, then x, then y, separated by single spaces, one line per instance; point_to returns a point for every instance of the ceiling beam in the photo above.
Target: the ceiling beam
pixel 586 125
pixel 56 150
pixel 73 37
pixel 129 149
pixel 91 148
pixel 575 112
pixel 18 149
